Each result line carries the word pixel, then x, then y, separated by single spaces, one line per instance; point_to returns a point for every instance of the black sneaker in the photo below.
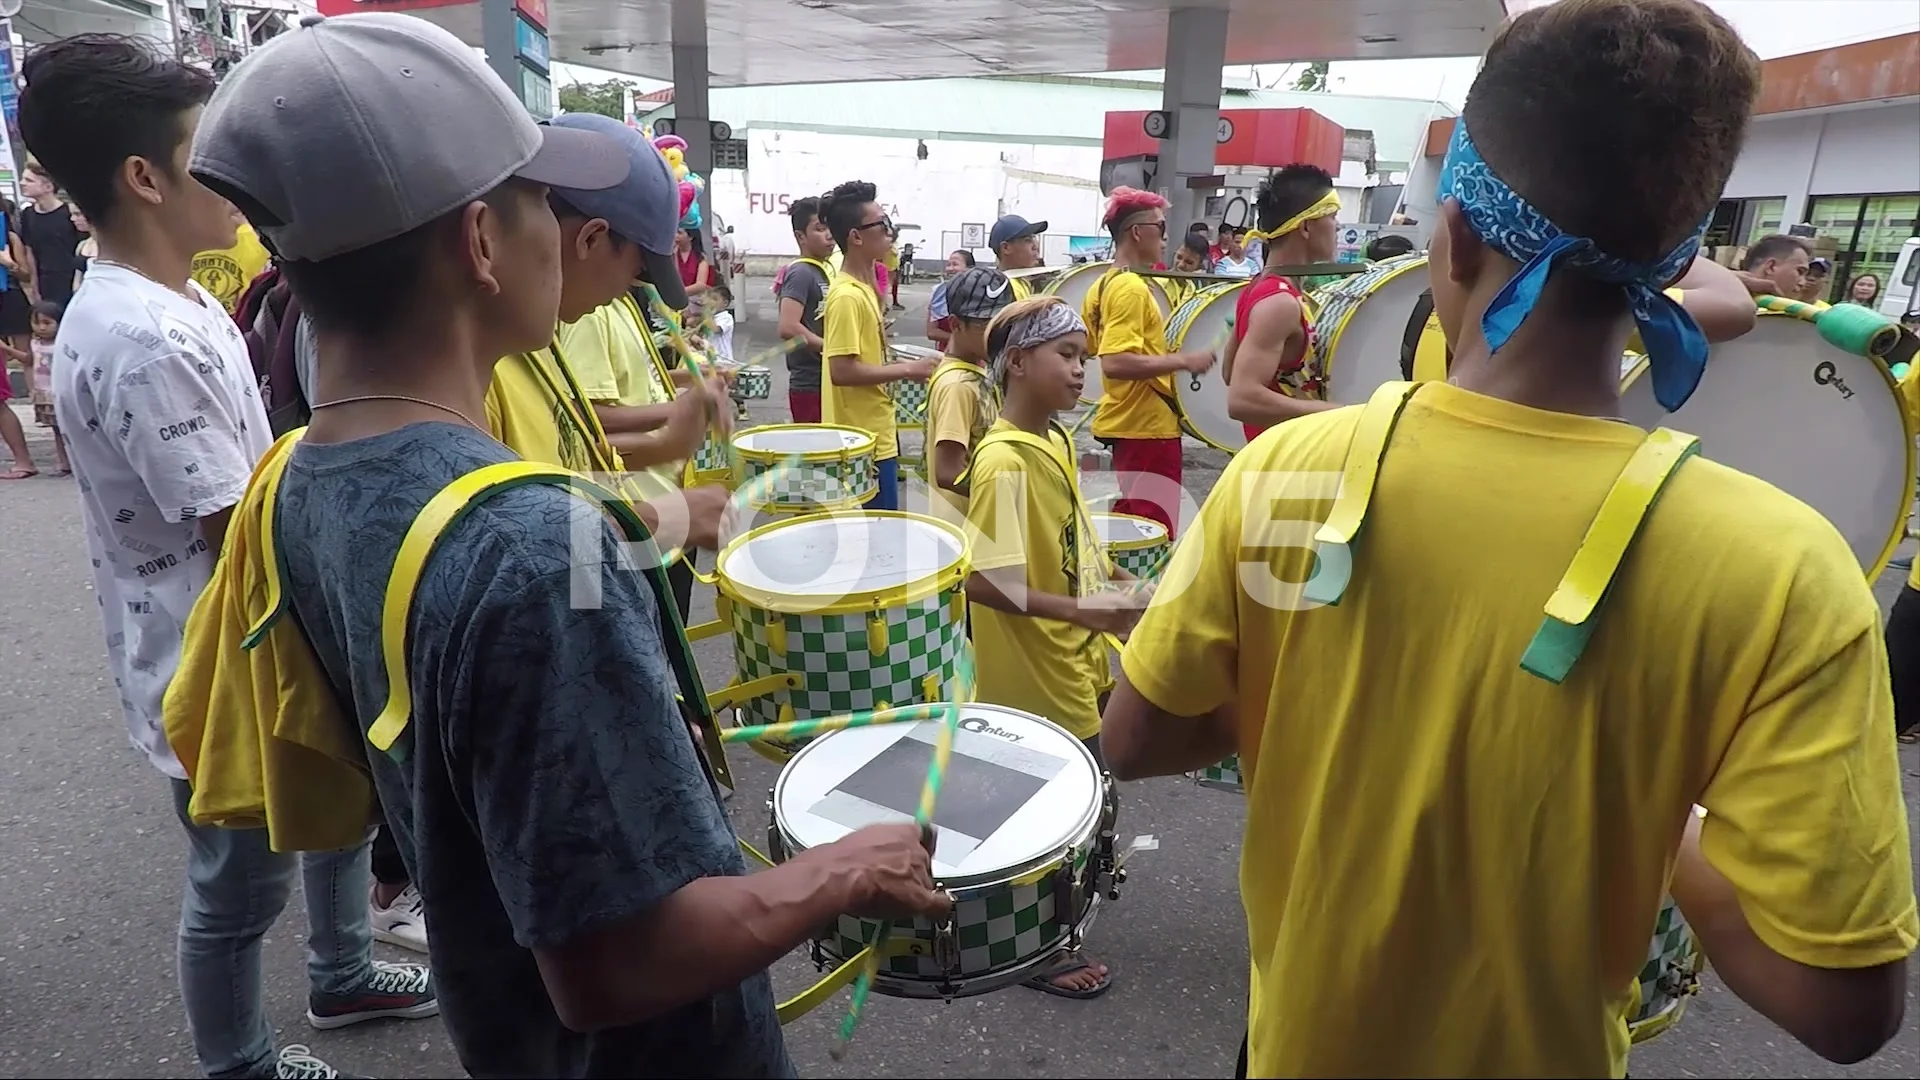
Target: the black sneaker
pixel 401 991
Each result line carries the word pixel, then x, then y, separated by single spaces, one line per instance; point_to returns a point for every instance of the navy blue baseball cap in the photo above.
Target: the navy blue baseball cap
pixel 644 209
pixel 1013 227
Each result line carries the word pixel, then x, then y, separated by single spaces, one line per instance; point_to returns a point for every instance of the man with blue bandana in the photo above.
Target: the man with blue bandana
pixel 1482 647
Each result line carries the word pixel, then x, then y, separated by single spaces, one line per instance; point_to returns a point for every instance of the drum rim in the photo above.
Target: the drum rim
pixel 1412 261
pixel 1025 873
pixel 863 446
pixel 931 584
pixel 1226 289
pixel 1131 545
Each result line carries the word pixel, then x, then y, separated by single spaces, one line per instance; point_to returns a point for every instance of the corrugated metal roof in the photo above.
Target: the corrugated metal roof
pixel 1040 109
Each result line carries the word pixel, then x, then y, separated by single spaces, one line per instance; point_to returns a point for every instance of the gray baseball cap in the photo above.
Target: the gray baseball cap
pixel 357 129
pixel 978 293
pixel 644 209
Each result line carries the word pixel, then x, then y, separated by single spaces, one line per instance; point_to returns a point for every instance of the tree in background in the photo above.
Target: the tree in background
pixel 604 98
pixel 1314 78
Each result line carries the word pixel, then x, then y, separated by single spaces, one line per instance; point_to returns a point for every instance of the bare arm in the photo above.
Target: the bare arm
pixel 1139 739
pixel 1717 299
pixel 935 334
pixel 702 279
pixel 1005 589
pixel 792 328
pixel 850 371
pixel 1273 327
pixel 1844 1016
pixel 624 419
pixel 1133 367
pixel 949 461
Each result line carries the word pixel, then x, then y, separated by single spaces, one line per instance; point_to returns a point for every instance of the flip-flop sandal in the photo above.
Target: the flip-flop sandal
pixel 1067 964
pixel 19 474
pixel 1911 737
pixel 61 472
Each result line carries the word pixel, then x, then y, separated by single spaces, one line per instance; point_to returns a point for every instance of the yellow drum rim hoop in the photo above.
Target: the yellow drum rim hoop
pixel 863 446
pixel 1332 336
pixel 1142 544
pixel 931 584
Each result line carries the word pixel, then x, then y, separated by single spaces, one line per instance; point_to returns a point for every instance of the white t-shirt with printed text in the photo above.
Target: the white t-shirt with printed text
pixel 155 394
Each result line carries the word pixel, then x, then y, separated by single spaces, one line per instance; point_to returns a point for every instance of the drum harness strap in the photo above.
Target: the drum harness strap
pixel 1095 328
pixel 1570 612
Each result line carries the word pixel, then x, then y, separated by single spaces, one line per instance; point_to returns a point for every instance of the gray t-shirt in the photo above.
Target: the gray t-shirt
pixel 547 785
pixel 804 282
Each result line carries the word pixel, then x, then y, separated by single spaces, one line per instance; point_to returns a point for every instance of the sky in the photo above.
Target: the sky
pixel 1772 27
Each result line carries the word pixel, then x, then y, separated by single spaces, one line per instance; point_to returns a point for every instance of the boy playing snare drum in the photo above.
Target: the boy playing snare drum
pixel 1040 604
pixel 1486 809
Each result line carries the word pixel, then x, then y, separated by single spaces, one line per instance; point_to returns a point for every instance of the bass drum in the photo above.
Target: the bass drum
pixel 1850 453
pixel 1360 325
pixel 1204 322
pixel 1073 287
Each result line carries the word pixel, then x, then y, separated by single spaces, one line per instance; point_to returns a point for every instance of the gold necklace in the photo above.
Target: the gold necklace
pixel 402 397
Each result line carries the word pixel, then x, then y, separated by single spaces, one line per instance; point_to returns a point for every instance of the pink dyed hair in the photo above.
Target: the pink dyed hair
pixel 1126 201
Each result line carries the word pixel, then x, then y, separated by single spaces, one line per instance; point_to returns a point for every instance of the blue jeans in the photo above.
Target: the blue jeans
pixel 236 888
pixel 888 495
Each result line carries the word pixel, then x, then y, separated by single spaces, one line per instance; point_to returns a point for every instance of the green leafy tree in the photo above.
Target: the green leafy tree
pixel 595 97
pixel 1314 78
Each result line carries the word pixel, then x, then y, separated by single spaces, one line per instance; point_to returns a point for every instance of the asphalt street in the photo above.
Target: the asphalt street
pixel 91 866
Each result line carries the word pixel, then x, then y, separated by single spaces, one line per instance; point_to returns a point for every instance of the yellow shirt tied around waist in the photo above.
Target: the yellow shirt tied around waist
pixel 853 326
pixel 1121 317
pixel 612 357
pixel 961 406
pixel 1025 510
pixel 1484 895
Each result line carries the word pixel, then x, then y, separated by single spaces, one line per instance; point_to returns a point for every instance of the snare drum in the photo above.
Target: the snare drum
pixel 753 383
pixel 1135 544
pixel 910 395
pixel 1073 287
pixel 866 608
pixel 805 468
pixel 1025 823
pixel 1361 323
pixel 1670 976
pixel 1204 322
pixel 1783 404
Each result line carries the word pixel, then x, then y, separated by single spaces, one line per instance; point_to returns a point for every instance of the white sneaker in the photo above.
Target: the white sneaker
pixel 402 923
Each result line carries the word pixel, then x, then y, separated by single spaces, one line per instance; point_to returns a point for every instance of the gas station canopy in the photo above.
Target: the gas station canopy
pixel 769 42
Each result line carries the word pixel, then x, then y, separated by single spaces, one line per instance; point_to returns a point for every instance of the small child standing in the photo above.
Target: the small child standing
pixel 38 364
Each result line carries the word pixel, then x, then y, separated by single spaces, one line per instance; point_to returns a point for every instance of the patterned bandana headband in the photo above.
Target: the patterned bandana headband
pixel 1327 206
pixel 1505 222
pixel 1049 322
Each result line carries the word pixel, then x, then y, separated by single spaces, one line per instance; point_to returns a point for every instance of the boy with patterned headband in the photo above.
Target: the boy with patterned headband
pixel 1129 336
pixel 1271 370
pixel 1549 747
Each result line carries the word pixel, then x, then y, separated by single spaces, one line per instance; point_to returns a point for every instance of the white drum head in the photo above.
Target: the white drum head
pixel 799 439
pixel 1203 322
pixel 1366 354
pixel 831 557
pixel 1018 790
pixel 1126 529
pixel 1823 425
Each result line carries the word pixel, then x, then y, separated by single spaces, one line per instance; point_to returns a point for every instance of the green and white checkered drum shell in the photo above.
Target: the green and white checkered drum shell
pixel 1224 776
pixel 880 655
pixel 1669 977
pixel 710 460
pixel 1135 544
pixel 753 383
pixel 774 476
pixel 909 403
pixel 1360 322
pixel 1018 819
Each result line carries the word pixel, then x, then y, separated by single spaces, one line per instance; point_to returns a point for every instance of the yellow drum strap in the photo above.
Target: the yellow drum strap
pixel 1358 475
pixel 1570 611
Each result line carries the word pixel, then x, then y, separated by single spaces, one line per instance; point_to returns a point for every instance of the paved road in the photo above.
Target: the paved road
pixel 92 863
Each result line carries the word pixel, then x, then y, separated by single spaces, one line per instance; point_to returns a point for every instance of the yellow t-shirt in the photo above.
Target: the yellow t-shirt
pixel 853 326
pixel 612 359
pixel 526 416
pixel 1464 861
pixel 1120 310
pixel 1023 511
pixel 1021 290
pixel 226 273
pixel 960 408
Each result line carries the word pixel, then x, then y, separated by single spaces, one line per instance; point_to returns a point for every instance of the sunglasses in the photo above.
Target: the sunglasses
pixel 885 223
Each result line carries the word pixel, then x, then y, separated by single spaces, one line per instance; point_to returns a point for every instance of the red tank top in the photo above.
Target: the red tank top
pixel 1300 377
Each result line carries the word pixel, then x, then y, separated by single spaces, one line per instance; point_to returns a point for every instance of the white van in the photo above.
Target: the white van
pixel 1901 297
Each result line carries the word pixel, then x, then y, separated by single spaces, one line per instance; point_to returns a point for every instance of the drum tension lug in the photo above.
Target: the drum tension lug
pixel 946 950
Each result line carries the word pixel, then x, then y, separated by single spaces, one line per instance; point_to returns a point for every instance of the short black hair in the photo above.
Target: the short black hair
pixel 965 256
pixel 1288 190
pixel 1619 120
pixel 802 212
pixel 1197 243
pixel 1777 246
pixel 92 101
pixel 1388 246
pixel 840 208
pixel 367 292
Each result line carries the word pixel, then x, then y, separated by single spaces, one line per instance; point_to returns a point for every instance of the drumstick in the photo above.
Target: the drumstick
pixel 694 359
pixel 807 729
pixel 929 795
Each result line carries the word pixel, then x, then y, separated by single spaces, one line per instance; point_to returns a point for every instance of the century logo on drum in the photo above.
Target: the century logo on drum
pixel 1826 374
pixel 984 727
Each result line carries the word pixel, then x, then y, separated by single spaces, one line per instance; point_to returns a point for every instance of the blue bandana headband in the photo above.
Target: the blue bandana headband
pixel 1505 222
